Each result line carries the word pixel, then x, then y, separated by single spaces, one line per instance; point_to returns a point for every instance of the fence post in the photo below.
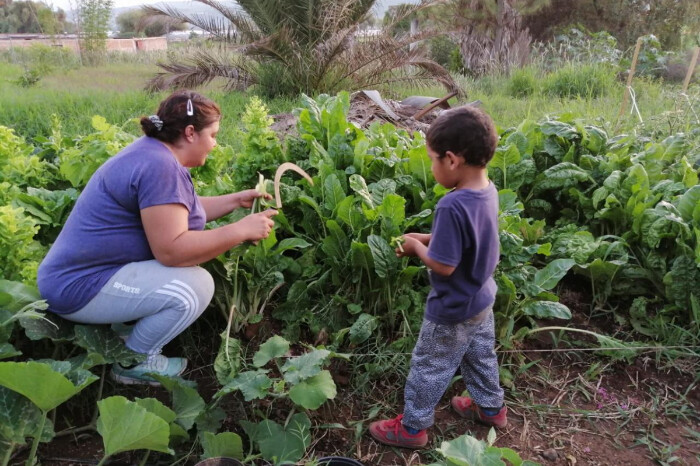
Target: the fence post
pixel 691 69
pixel 625 96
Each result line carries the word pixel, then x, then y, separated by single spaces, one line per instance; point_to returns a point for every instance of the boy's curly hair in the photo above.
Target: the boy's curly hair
pixel 466 131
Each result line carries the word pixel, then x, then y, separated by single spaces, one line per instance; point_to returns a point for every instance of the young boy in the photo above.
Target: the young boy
pixel 461 252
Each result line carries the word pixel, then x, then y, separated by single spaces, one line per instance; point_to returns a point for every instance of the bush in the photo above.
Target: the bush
pixel 587 81
pixel 441 50
pixel 523 82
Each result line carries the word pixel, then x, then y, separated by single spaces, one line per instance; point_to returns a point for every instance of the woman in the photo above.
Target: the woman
pixel 130 248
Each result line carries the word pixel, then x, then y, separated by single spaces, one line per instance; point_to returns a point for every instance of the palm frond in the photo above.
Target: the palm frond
pixel 203 67
pixel 385 59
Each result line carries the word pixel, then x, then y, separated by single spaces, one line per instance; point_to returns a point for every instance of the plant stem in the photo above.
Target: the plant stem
pixel 8 455
pixel 102 461
pixel 99 394
pixel 145 458
pixel 37 438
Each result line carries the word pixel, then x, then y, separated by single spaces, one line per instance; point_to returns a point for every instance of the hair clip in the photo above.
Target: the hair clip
pixel 190 107
pixel 157 122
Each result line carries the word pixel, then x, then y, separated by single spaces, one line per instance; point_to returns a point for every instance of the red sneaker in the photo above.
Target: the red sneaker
pixel 466 407
pixel 392 432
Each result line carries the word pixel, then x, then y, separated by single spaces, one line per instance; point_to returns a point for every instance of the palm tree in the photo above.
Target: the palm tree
pixel 292 46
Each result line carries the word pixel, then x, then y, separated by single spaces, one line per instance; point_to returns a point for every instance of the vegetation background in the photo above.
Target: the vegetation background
pixel 599 215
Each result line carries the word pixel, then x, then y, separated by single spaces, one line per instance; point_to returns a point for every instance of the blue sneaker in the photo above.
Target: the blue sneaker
pixel 157 364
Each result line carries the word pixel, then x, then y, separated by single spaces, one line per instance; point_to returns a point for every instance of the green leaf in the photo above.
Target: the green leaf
pixel 393 209
pixel 305 366
pixel 688 202
pixel 19 419
pixel 287 444
pixel 363 328
pixel 19 294
pixel 187 403
pixel 361 256
pixel 210 419
pixel 228 360
pixel 314 391
pixel 103 341
pixel 546 310
pixel 292 243
pixel 45 387
pixel 419 165
pixel 385 260
pixel 335 245
pixel 350 213
pixel 463 451
pixel 358 184
pixel 504 157
pixel 558 128
pixel 333 192
pixel 272 348
pixel 8 351
pixel 156 407
pixel 381 189
pixel 48 326
pixel 548 277
pixel 125 426
pixel 226 444
pixel 252 384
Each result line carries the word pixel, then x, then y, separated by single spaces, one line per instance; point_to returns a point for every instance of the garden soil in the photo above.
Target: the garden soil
pixel 568 408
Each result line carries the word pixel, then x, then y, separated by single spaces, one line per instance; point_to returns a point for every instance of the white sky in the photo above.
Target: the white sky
pixel 65 5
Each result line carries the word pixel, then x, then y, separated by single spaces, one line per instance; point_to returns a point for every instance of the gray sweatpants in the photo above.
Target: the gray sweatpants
pixel 163 300
pixel 440 350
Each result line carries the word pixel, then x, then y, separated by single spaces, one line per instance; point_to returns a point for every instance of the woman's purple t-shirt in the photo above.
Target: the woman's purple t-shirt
pixel 104 230
pixel 465 236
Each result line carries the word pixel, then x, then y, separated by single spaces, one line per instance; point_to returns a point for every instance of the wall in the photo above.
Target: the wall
pixel 8 41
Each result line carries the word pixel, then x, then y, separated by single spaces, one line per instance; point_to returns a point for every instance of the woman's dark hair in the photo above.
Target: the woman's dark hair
pixel 465 131
pixel 172 117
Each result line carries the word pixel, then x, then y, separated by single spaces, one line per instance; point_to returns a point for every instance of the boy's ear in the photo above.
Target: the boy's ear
pixel 453 159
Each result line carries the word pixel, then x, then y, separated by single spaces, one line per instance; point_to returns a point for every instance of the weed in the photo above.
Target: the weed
pixel 586 81
pixel 523 82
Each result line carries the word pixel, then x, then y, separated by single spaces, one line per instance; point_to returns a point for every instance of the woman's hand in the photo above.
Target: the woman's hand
pixel 246 198
pixel 257 226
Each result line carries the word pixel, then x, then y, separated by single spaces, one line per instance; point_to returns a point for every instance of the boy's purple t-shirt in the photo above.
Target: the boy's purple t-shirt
pixel 465 236
pixel 104 230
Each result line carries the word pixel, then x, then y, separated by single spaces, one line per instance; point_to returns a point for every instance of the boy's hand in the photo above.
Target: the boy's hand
pixel 422 237
pixel 409 246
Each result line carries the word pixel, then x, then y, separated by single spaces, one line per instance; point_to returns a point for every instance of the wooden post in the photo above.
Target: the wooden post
pixel 625 96
pixel 691 69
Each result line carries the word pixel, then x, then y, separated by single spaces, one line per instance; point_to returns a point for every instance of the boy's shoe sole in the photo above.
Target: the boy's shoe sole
pixel 465 407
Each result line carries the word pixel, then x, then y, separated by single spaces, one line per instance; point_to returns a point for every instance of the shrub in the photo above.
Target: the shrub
pixel 587 81
pixel 441 50
pixel 523 82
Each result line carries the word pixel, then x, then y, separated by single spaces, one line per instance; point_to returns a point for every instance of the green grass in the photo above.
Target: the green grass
pixel 115 91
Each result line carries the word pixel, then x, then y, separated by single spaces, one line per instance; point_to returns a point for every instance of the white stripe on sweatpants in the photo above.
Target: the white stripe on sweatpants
pixel 188 288
pixel 189 300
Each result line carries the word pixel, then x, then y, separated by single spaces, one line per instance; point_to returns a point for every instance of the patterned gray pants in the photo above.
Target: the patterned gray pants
pixel 439 351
